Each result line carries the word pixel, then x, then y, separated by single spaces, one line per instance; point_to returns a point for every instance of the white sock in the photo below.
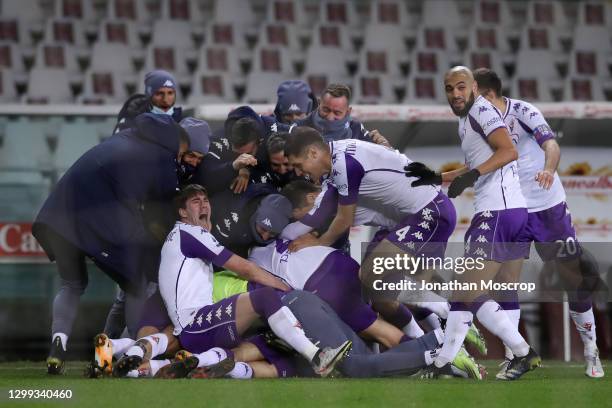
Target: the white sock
pixel 439 335
pixel 515 316
pixel 242 371
pixel 433 321
pixel 494 318
pixel 439 307
pixel 413 330
pixel 585 325
pixel 457 325
pixel 156 365
pixel 211 357
pixel 159 343
pixel 120 346
pixel 284 324
pixel 134 351
pixel 430 356
pixel 63 337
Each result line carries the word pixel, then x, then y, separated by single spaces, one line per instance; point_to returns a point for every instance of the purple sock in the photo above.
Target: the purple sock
pixel 420 313
pixel 580 307
pixel 265 301
pixel 405 338
pixel 508 299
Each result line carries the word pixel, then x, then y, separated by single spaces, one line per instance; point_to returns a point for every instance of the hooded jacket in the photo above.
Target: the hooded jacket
pixel 99 204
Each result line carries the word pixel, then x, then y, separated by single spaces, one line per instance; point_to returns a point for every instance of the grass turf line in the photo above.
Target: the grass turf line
pixel 556 384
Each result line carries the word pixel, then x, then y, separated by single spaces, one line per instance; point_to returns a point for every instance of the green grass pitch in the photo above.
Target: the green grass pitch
pixel 555 384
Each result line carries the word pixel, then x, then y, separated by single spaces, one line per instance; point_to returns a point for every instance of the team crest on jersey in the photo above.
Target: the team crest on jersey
pixel 267 222
pixel 427 217
pixel 263 179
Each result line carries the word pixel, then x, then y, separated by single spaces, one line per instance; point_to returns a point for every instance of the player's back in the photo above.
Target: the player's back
pixel 374 176
pixel 529 128
pixel 499 189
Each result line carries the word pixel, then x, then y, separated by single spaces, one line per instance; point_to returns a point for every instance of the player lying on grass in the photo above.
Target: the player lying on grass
pixel 549 222
pixel 262 358
pixel 490 158
pixel 186 283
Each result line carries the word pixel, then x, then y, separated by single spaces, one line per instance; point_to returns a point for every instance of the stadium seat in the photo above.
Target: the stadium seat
pixel 279 35
pixel 172 33
pixel 29 11
pixel 441 13
pixel 49 85
pixel 536 63
pixel 25 148
pixel 65 31
pixel 340 12
pixel 286 11
pixel 424 89
pixel 326 61
pixel 492 13
pixel 112 57
pixel 8 92
pixel 103 87
pixel 540 38
pixel 594 38
pixel 390 12
pixel 261 86
pixel 235 12
pixel 133 10
pixel 219 59
pixel 211 87
pixel 429 62
pixel 373 89
pixel 594 13
pixel 272 60
pixel 171 59
pixel 546 13
pixel 385 36
pixel 10 56
pixel 532 88
pixel 15 30
pixel 587 63
pixel 119 32
pixel 78 9
pixel 490 38
pixel 186 10
pixel 226 34
pixel 333 36
pixel 436 38
pixel 583 89
pixel 379 62
pixel 484 59
pixel 73 140
pixel 57 56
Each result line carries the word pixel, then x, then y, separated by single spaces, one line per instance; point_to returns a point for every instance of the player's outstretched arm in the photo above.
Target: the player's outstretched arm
pixel 552 156
pixel 253 273
pixel 341 223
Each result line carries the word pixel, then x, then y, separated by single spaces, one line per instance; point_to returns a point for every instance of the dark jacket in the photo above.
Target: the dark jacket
pixel 231 217
pixel 135 105
pixel 357 130
pixel 99 204
pixel 216 172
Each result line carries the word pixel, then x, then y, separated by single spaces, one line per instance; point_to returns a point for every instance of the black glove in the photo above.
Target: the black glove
pixel 424 174
pixel 462 182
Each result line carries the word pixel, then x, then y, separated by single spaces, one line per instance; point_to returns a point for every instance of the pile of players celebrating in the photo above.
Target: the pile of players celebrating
pixel 231 248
